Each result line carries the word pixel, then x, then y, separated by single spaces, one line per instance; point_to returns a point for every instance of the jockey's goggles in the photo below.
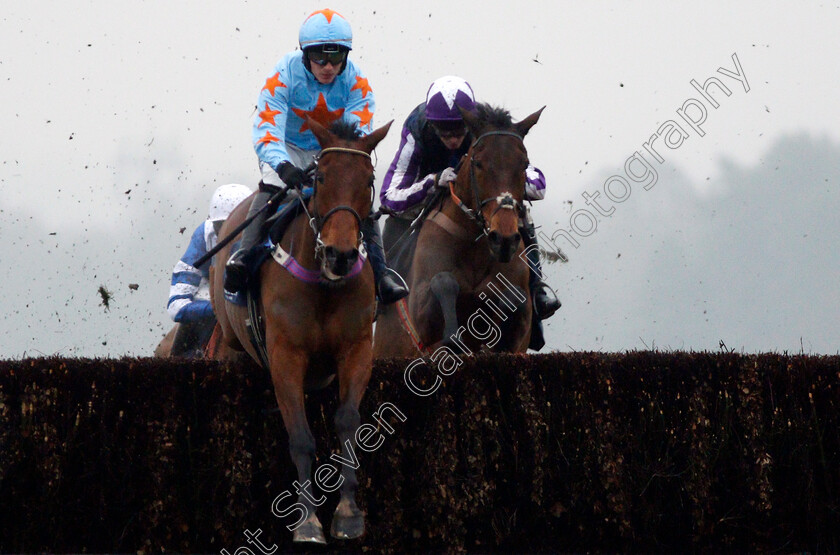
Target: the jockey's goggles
pixel 321 58
pixel 451 133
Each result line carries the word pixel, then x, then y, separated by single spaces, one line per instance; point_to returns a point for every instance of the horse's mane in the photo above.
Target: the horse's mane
pixel 345 130
pixel 493 116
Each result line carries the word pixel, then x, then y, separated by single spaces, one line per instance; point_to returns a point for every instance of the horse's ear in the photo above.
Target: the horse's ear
pixel 319 131
pixel 472 121
pixel 370 141
pixel 526 124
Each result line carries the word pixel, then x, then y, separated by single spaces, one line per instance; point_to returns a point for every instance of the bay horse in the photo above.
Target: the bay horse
pixel 468 285
pixel 319 327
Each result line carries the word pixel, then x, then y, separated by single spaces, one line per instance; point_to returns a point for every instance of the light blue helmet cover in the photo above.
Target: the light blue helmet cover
pixel 325 27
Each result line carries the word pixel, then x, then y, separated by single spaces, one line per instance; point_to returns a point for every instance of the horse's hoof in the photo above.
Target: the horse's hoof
pixel 348 520
pixel 310 531
pixel 348 527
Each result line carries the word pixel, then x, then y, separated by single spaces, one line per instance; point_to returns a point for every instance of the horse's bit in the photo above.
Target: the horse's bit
pixel 316 221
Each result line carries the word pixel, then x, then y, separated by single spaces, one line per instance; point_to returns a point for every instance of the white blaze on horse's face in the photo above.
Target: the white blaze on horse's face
pixel 506 201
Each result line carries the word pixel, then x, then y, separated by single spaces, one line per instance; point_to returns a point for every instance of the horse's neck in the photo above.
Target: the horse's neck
pixel 452 211
pixel 469 226
pixel 472 254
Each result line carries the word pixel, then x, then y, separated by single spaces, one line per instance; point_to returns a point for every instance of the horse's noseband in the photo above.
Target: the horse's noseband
pixel 317 221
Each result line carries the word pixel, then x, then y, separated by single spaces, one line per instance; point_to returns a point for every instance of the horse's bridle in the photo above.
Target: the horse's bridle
pixel 505 201
pixel 317 221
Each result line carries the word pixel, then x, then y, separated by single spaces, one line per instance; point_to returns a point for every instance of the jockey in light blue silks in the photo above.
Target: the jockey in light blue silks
pixel 319 81
pixel 189 292
pixel 434 138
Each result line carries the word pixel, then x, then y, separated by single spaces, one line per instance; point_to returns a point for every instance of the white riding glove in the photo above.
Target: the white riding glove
pixel 446 177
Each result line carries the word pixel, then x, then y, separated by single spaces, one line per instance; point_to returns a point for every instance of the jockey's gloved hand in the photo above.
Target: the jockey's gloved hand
pixel 445 177
pixel 291 175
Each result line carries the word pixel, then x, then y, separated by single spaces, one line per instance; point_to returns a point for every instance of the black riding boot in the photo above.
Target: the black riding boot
pixel 545 301
pixel 389 285
pixel 236 269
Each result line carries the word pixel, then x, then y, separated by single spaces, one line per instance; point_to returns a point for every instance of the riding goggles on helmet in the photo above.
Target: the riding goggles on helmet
pixel 321 57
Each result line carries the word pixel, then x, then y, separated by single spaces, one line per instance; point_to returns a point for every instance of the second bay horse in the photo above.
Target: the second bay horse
pixel 468 284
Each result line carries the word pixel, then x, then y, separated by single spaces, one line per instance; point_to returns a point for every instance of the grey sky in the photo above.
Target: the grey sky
pixel 120 119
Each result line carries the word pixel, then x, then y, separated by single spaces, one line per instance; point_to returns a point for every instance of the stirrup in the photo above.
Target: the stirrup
pixel 236 272
pixel 236 257
pixel 543 286
pixel 400 283
pixel 398 276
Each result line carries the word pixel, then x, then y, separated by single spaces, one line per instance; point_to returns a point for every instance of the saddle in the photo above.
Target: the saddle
pixel 401 253
pixel 275 225
pixel 273 230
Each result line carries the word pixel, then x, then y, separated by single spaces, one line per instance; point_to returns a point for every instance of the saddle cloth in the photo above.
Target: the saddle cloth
pixel 276 228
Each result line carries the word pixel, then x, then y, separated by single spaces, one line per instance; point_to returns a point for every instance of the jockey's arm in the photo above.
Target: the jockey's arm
pixel 361 103
pixel 268 132
pixel 186 301
pixel 534 184
pixel 403 187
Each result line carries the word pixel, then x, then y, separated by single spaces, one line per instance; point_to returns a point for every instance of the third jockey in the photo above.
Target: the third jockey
pixel 189 292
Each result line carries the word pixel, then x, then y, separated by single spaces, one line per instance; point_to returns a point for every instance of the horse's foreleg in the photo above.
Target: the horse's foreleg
pixel 445 288
pixel 353 375
pixel 287 373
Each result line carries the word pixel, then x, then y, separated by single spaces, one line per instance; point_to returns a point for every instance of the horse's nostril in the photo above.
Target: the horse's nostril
pixel 341 262
pixel 330 254
pixel 353 256
pixel 494 237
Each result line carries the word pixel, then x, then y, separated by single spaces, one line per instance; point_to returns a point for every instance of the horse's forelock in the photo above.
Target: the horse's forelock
pixel 345 130
pixel 493 116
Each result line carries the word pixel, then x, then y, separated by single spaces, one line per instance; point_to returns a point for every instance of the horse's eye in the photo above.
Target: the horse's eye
pixel 319 177
pixel 479 165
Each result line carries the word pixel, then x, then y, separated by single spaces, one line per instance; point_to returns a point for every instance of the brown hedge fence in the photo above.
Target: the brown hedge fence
pixel 574 452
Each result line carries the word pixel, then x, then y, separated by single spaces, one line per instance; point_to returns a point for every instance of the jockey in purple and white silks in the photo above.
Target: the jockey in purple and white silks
pixel 319 81
pixel 434 138
pixel 189 292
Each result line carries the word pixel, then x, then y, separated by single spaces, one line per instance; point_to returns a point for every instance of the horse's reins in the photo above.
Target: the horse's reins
pixel 505 201
pixel 316 221
pixel 270 204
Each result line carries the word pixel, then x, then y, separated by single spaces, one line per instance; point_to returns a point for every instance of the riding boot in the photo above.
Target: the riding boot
pixel 545 300
pixel 390 286
pixel 236 269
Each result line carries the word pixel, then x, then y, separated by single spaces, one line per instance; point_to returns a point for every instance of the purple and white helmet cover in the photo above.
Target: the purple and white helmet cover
pixel 444 97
